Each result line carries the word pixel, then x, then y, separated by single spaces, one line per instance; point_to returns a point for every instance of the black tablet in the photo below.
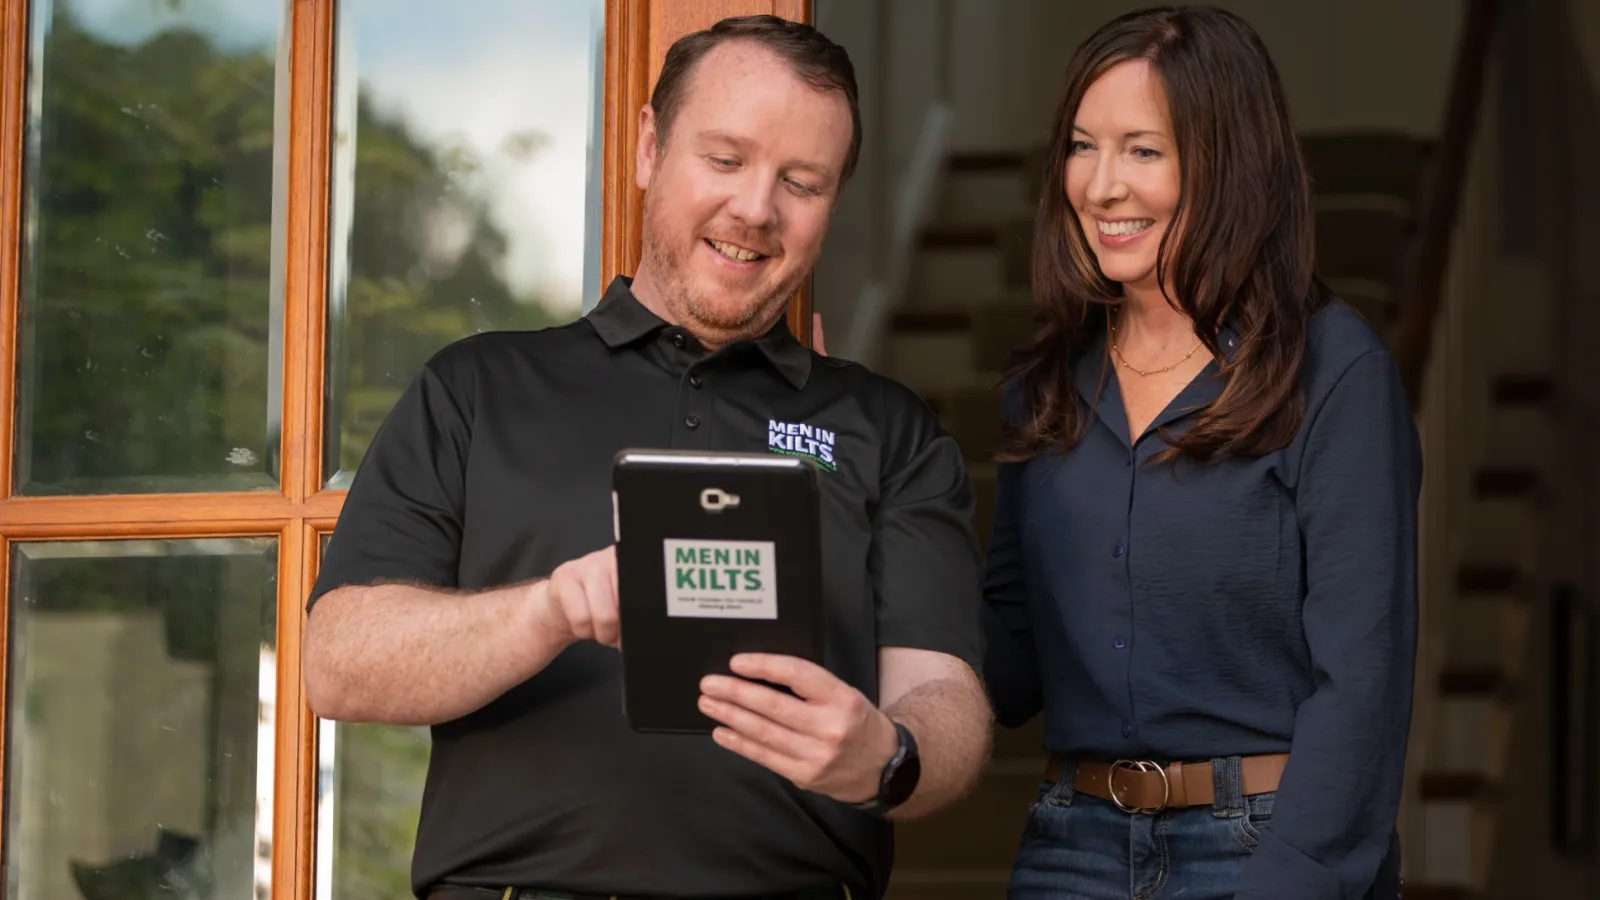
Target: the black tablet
pixel 717 554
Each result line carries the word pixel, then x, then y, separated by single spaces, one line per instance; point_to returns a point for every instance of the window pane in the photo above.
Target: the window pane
pixel 150 316
pixel 369 794
pixel 465 138
pixel 140 754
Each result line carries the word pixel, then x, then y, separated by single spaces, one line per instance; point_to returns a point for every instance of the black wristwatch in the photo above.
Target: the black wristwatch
pixel 899 778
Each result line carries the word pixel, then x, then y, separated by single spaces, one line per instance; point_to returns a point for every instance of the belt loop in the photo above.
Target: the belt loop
pixel 1177 788
pixel 1227 788
pixel 1065 789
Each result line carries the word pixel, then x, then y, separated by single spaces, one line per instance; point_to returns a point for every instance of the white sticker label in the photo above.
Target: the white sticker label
pixel 721 579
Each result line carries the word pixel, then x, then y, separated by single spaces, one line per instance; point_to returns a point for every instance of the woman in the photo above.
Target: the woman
pixel 1203 564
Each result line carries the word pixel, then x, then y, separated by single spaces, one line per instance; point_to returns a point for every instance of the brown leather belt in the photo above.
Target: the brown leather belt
pixel 1140 786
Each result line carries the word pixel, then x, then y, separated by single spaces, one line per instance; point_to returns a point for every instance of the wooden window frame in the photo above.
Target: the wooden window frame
pixel 637 34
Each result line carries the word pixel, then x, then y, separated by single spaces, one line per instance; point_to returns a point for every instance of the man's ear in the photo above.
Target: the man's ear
pixel 644 154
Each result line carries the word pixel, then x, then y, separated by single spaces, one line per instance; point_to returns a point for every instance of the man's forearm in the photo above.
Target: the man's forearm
pixel 410 655
pixel 952 722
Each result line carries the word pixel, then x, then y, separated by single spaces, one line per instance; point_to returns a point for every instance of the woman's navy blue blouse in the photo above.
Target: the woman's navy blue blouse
pixel 1259 605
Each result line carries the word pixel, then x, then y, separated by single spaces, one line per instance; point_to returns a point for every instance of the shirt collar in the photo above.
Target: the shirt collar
pixel 1097 384
pixel 620 319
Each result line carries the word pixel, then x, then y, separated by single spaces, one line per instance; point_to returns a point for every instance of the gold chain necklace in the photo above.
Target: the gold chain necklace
pixel 1117 352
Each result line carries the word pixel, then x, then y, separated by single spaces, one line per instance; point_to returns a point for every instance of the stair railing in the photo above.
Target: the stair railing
pixel 909 214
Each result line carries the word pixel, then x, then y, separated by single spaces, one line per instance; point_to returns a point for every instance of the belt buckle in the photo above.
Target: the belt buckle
pixel 1138 765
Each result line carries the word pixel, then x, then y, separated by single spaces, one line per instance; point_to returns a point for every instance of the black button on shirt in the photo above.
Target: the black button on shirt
pixel 1270 603
pixel 494 468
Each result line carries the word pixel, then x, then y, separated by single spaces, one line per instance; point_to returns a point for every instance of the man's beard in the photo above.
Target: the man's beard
pixel 668 262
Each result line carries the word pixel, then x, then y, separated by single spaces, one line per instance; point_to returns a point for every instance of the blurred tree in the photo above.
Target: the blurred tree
pixel 147 311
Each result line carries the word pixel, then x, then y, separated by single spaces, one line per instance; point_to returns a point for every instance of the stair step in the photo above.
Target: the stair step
pixel 972 416
pixel 1425 891
pixel 995 329
pixel 1502 527
pixel 999 330
pixel 960 237
pixel 1489 633
pixel 923 321
pixel 1523 390
pixel 1445 785
pixel 1452 835
pixel 1505 482
pixel 1361 243
pixel 988 161
pixel 953 273
pixel 1523 331
pixel 1474 681
pixel 1488 578
pixel 1470 735
pixel 1522 437
pixel 980 191
pixel 1366 162
pixel 929 361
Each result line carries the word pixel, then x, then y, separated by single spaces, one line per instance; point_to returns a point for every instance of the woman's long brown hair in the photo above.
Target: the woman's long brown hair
pixel 1240 249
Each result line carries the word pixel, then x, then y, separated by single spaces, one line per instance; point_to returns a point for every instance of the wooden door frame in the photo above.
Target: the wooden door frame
pixel 637 35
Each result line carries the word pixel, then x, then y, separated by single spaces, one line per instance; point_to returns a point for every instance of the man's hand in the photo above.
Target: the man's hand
pixel 579 599
pixel 830 739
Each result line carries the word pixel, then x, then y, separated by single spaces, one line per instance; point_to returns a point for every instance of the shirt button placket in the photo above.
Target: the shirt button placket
pixel 1121 638
pixel 692 430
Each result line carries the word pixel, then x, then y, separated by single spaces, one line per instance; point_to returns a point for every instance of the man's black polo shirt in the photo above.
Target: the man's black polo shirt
pixel 494 467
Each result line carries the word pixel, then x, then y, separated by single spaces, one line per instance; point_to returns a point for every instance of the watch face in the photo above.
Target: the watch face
pixel 903 781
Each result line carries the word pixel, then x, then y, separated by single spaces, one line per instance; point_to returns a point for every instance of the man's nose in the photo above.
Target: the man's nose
pixel 752 201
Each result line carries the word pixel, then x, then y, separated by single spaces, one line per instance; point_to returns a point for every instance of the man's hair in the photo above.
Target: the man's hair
pixel 817 61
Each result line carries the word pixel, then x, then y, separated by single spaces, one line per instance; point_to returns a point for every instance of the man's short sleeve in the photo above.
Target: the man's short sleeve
pixel 925 567
pixel 402 518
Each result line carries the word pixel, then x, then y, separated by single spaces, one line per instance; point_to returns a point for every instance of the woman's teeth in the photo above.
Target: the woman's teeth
pixel 1125 227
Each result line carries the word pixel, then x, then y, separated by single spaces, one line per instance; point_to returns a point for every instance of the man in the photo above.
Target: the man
pixel 470 584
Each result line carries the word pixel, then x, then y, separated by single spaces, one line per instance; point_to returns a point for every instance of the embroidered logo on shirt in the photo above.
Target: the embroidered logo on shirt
pixel 805 441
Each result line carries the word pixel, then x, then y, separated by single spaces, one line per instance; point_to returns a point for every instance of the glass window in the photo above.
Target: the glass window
pixel 465 189
pixel 139 759
pixel 150 324
pixel 369 794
